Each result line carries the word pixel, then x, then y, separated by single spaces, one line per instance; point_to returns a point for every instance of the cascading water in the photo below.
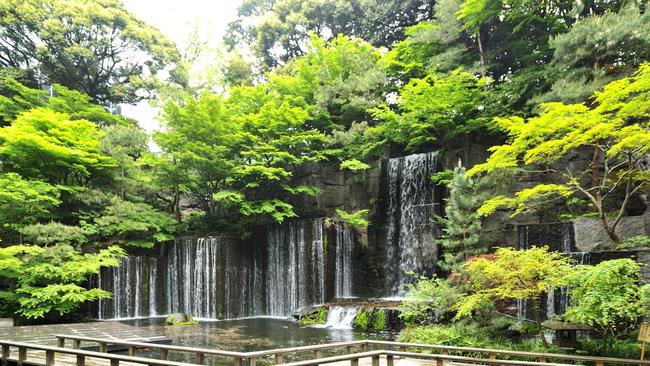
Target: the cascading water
pixel 411 210
pixel 558 237
pixel 343 263
pixel 340 317
pixel 218 277
pixel 296 267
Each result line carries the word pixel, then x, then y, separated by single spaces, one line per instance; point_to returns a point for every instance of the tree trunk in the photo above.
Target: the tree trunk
pixel 538 320
pixel 177 203
pixel 480 51
pixel 122 190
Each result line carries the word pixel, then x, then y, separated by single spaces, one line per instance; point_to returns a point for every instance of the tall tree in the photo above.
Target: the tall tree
pixel 96 47
pixel 279 30
pixel 610 137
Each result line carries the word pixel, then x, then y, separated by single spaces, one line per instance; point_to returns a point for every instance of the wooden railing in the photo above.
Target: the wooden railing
pixel 495 353
pixel 80 355
pixel 164 349
pixel 355 350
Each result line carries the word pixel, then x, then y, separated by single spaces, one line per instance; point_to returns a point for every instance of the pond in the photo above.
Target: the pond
pixel 245 335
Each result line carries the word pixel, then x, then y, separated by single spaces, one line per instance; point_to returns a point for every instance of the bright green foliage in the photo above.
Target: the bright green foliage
pixel 134 224
pixel 513 275
pixel 461 223
pixel 24 202
pixel 96 47
pixel 362 320
pixel 41 281
pixel 357 219
pixel 48 145
pixel 434 110
pixel 353 165
pixel 612 135
pixel 608 297
pixel 342 78
pixel 429 300
pixel 379 320
pixel 317 318
pixel 638 241
pixel 233 148
pixel 19 98
pixel 54 233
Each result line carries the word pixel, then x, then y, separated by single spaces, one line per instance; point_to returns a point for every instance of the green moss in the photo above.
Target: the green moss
pixel 171 320
pixel 362 320
pixel 316 318
pixel 379 321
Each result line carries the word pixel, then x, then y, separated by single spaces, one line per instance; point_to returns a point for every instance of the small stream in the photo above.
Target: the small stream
pixel 246 335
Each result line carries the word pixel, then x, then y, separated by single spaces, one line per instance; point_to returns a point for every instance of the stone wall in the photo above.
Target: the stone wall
pixel 590 236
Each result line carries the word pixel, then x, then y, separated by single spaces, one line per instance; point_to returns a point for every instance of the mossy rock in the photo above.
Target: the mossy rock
pixel 180 319
pixel 315 318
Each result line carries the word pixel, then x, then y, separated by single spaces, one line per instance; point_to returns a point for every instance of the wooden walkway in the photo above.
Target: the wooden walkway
pixel 68 352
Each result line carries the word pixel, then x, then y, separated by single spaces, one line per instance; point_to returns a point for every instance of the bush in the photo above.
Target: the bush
pixel 362 320
pixel 380 320
pixel 429 300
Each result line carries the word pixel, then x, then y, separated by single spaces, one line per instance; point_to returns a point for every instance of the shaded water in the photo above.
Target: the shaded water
pixel 247 335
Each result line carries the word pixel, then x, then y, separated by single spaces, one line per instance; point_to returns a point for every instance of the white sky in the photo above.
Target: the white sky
pixel 177 19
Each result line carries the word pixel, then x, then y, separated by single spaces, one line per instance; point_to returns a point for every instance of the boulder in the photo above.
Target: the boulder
pixel 180 319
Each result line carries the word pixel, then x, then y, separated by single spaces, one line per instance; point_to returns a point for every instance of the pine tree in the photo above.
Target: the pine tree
pixel 461 223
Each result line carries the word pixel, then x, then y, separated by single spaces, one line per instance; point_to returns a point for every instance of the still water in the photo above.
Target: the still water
pixel 247 335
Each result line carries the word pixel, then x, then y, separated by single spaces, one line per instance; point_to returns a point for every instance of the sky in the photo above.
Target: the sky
pixel 177 19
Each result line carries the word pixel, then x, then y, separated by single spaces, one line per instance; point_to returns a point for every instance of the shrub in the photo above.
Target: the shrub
pixel 380 321
pixel 362 320
pixel 429 300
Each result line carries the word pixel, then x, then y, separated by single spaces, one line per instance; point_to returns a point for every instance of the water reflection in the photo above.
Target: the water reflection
pixel 247 335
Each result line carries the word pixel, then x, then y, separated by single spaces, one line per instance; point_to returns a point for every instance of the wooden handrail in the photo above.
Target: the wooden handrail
pixel 441 357
pixel 50 351
pixel 62 337
pixel 310 348
pixel 279 353
pixel 538 355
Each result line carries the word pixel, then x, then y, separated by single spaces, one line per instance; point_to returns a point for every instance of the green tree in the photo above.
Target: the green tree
pixel 48 145
pixel 96 47
pixel 434 110
pixel 512 274
pixel 133 224
pixel 598 49
pixel 125 144
pixel 461 223
pixel 16 98
pixel 611 136
pixel 609 297
pixel 37 282
pixel 24 202
pixel 278 30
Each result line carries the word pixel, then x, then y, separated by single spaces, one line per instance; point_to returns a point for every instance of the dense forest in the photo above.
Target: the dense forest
pixel 304 82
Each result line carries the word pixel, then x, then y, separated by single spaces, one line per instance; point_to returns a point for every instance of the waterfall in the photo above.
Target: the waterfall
pixel 343 263
pixel 558 237
pixel 296 267
pixel 340 317
pixel 219 277
pixel 411 210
